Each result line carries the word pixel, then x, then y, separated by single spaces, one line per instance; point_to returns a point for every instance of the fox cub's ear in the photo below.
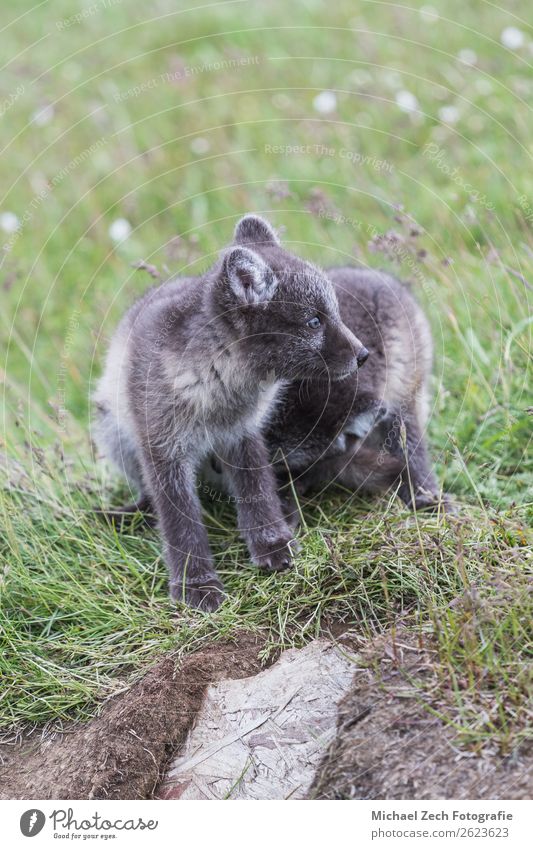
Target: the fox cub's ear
pixel 249 278
pixel 252 229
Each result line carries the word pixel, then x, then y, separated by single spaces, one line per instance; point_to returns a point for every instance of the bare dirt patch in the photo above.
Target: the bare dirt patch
pixel 262 737
pixel 390 746
pixel 123 752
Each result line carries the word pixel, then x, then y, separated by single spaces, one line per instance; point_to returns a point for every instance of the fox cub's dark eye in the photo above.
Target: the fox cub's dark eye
pixel 314 322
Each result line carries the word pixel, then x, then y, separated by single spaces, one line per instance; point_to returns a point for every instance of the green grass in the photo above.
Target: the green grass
pixel 83 609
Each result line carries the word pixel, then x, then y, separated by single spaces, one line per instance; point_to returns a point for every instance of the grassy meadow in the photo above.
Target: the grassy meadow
pixel 389 135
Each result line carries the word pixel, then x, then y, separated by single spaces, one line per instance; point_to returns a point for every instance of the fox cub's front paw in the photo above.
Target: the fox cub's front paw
pixel 204 593
pixel 435 502
pixel 274 551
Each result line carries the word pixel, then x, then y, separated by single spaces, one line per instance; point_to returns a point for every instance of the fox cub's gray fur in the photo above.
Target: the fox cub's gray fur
pixel 195 370
pixel 367 431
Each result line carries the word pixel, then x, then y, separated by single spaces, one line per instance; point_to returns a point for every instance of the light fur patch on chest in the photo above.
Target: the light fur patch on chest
pixel 188 384
pixel 269 389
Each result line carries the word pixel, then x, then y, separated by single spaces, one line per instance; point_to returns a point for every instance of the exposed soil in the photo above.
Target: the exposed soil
pixel 123 752
pixel 389 747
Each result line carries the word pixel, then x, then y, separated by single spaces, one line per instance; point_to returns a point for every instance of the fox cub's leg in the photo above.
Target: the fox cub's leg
pixel 259 510
pixel 173 494
pixel 419 488
pixel 121 516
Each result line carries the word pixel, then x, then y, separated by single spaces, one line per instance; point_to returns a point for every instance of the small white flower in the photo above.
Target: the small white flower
pixel 43 116
pixel 9 222
pixel 72 71
pixel 512 38
pixel 406 101
pixel 281 101
pixel 119 230
pixel 360 77
pixel 467 56
pixel 429 14
pixel 483 86
pixel 200 145
pixel 325 102
pixel 393 79
pixel 449 115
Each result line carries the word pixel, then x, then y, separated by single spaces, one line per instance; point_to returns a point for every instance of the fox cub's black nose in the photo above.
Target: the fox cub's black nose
pixel 362 356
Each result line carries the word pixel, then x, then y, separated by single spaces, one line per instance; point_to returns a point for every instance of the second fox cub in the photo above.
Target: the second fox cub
pixel 366 432
pixel 252 372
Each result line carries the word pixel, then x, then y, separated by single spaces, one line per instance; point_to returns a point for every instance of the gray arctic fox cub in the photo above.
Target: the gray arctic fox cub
pixel 193 372
pixel 251 373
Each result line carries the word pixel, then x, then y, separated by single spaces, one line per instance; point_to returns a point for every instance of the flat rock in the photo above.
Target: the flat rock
pixel 263 737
